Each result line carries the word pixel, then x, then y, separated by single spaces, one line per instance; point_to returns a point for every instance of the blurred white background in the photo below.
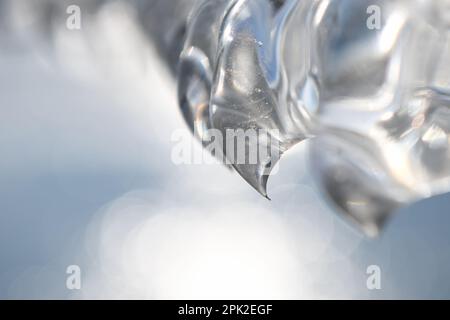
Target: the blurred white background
pixel 86 179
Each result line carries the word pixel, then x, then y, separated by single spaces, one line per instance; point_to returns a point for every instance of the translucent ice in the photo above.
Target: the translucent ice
pixel 367 80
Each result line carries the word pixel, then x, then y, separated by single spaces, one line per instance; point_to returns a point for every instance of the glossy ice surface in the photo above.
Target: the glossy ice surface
pixel 367 80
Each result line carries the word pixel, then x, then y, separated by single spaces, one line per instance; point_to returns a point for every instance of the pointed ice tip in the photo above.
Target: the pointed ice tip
pixel 255 175
pixel 260 188
pixel 250 174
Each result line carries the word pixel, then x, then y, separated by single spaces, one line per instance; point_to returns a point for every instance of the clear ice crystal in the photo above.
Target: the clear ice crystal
pixel 374 101
pixel 372 96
